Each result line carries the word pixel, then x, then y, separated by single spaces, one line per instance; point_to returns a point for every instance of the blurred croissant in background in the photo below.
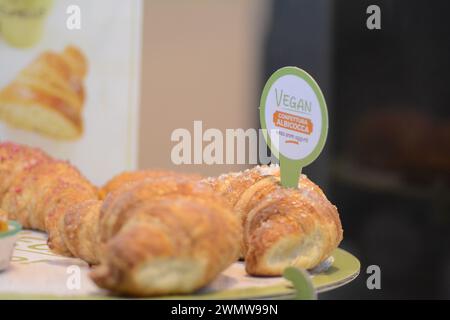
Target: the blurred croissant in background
pixel 48 95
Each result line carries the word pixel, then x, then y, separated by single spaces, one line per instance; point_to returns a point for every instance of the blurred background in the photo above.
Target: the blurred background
pixel 386 164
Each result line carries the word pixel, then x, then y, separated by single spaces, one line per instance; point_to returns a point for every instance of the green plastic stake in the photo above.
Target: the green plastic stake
pixel 301 281
pixel 294 119
pixel 290 171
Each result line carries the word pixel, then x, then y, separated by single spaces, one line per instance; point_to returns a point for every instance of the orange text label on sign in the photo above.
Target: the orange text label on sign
pixel 292 122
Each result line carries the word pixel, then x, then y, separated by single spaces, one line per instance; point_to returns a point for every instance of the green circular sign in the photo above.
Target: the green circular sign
pixel 294 119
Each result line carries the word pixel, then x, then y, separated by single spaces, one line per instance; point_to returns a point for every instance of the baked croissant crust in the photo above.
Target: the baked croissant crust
pixel 281 227
pixel 164 236
pixel 48 95
pixel 14 159
pixel 40 190
pixel 79 230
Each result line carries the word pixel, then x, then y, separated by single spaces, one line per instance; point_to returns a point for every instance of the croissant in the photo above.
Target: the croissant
pixel 48 95
pixel 281 227
pixel 160 232
pixel 40 190
pixel 164 236
pixel 155 233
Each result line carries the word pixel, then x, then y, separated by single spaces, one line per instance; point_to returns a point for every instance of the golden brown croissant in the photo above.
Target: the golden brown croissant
pixel 164 236
pixel 281 227
pixel 48 95
pixel 41 190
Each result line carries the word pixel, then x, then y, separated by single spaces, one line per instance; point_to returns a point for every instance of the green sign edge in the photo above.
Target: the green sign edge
pixel 290 70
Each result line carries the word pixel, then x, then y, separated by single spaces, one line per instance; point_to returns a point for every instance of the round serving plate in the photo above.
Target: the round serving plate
pixel 345 268
pixel 32 256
